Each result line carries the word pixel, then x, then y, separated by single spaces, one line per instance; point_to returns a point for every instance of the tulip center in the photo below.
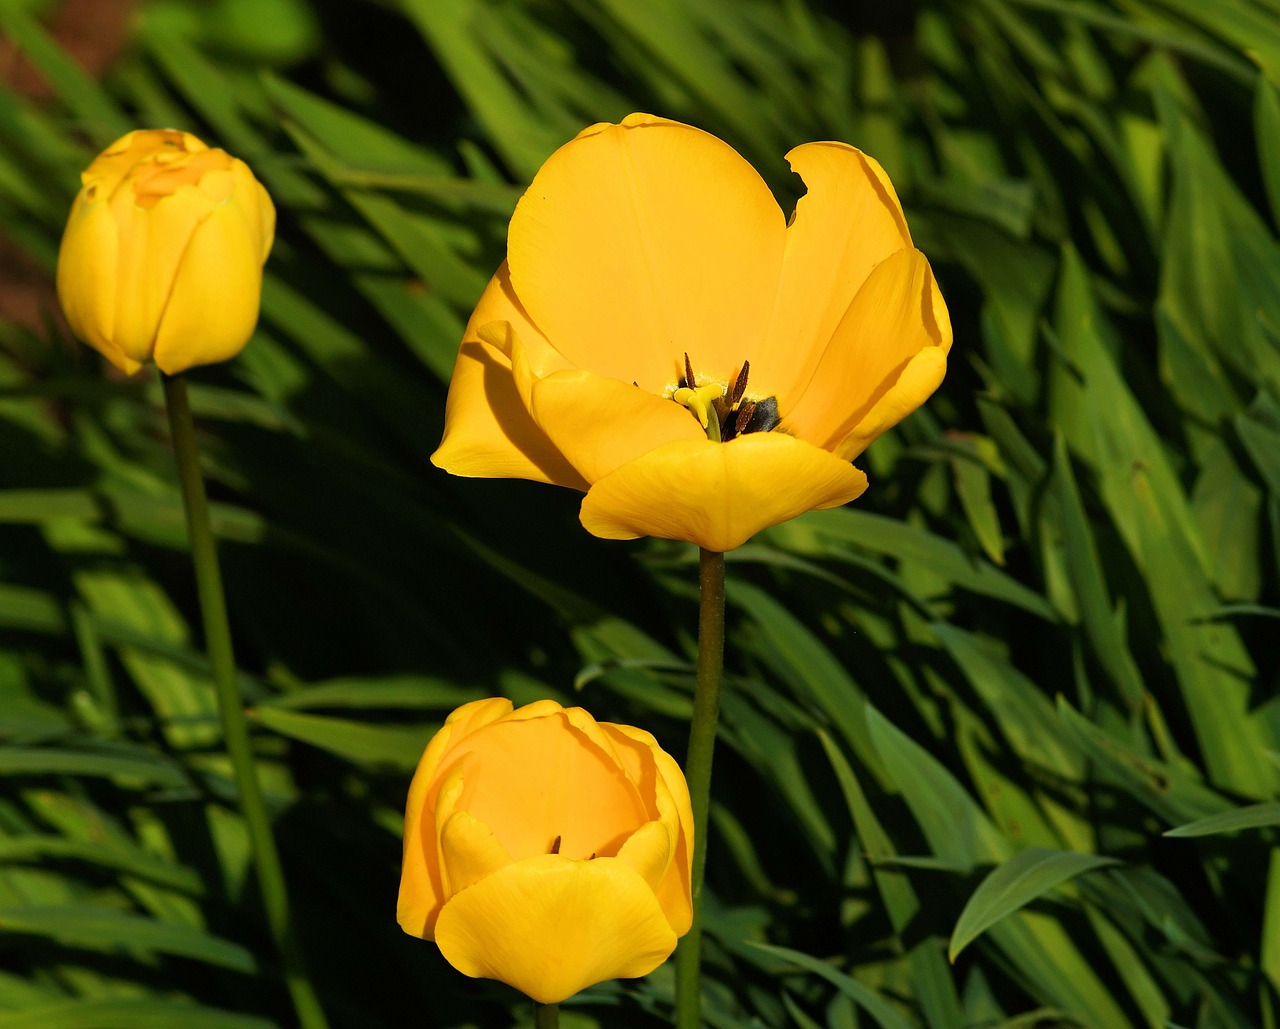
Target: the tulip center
pixel 725 412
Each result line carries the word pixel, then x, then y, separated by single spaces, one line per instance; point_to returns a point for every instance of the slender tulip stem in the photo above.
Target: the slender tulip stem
pixel 235 732
pixel 697 770
pixel 546 1016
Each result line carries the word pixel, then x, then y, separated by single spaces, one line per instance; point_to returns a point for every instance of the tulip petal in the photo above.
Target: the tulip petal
pixel 87 277
pixel 533 779
pixel 649 851
pixel 153 242
pixel 421 884
pixel 597 423
pixel 213 306
pixel 550 926
pixel 718 495
pixel 672 805
pixel 897 314
pixel 922 375
pixel 470 851
pixel 488 432
pixel 848 222
pixel 639 242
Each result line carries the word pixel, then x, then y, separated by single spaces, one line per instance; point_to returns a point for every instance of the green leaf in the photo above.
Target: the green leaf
pixel 1253 816
pixel 136 1013
pixel 138 771
pixel 958 830
pixel 97 928
pixel 372 745
pixel 893 538
pixel 1015 884
pixel 865 997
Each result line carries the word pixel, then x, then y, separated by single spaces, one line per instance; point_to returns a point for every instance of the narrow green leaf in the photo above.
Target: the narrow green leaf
pixel 1266 127
pixel 1253 816
pixel 865 997
pixel 98 114
pixel 37 847
pixel 373 745
pixel 948 560
pixel 1015 884
pixel 957 828
pixel 98 928
pixel 136 1013
pixel 403 691
pixel 126 770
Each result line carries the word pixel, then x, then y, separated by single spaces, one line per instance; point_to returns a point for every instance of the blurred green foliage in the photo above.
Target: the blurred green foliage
pixel 961 716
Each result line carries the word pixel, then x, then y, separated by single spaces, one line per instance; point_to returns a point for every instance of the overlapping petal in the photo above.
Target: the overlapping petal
pixel 541 847
pixel 718 495
pixel 163 251
pixel 488 430
pixel 552 927
pixel 848 221
pixel 640 243
pixel 896 314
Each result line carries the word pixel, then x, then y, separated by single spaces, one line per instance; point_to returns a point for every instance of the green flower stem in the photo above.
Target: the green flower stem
pixel 546 1016
pixel 235 732
pixel 697 770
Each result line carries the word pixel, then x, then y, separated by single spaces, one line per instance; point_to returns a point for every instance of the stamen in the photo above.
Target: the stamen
pixel 555 846
pixel 739 385
pixel 688 373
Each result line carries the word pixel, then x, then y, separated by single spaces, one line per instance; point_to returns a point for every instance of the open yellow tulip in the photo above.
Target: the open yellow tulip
pixel 162 255
pixel 662 338
pixel 545 849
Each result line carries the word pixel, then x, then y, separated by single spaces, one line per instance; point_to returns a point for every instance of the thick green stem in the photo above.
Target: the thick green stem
pixel 697 770
pixel 546 1016
pixel 235 732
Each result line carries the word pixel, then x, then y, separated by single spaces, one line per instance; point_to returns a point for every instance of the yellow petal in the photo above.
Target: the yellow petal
pixel 649 851
pixel 848 222
pixel 217 290
pixel 897 314
pixel 599 423
pixel 87 276
pixel 153 241
pixel 718 495
pixel 488 432
pixel 550 926
pixel 922 375
pixel 638 242
pixel 421 885
pixel 531 780
pixel 661 777
pixel 470 851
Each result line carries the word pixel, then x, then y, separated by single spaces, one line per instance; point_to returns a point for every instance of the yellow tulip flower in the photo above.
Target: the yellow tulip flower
pixel 545 849
pixel 662 338
pixel 162 255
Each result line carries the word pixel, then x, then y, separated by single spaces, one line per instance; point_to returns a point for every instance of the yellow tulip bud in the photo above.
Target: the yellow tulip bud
pixel 162 255
pixel 545 849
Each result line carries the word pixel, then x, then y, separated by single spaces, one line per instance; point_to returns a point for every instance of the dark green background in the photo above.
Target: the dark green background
pixel 1045 635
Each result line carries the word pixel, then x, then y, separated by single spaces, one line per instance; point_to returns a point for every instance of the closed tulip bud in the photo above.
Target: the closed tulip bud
pixel 545 849
pixel 162 256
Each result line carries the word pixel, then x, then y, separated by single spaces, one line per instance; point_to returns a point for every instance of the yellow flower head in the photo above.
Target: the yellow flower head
pixel 545 849
pixel 647 262
pixel 162 256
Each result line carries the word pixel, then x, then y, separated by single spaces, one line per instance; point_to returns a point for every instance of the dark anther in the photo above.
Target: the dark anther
pixel 592 857
pixel 744 416
pixel 764 416
pixel 739 385
pixel 555 846
pixel 688 372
